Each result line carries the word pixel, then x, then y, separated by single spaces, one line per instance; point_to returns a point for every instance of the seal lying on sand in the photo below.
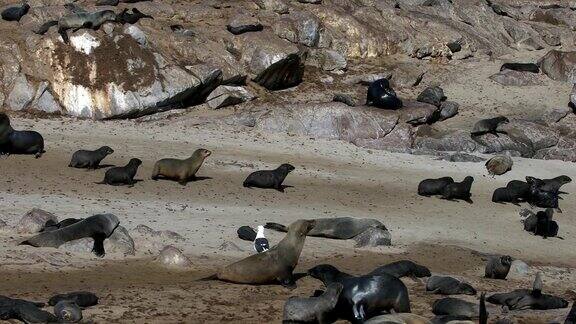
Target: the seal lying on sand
pixel 273 266
pixel 459 190
pixel 77 21
pixel 541 198
pixel 25 311
pixel 342 228
pixel 554 184
pixel 180 170
pixel 381 95
pixel 80 298
pixel 365 296
pixel 489 126
pixel 528 299
pixel 498 267
pixel 541 223
pixel 19 142
pixel 448 286
pixel 455 307
pixel 521 67
pixel 269 179
pixel 402 268
pixel 67 312
pixel 430 187
pixel 89 159
pixel 15 13
pixel 313 309
pixel 98 227
pixel 398 318
pixel 122 175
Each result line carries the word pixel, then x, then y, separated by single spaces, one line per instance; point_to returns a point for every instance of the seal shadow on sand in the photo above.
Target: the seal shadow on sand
pixel 101 166
pixel 195 179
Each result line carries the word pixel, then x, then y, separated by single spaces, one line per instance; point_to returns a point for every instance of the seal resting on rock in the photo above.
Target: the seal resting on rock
pixel 77 21
pixel 97 227
pixel 342 228
pixel 365 296
pixel 89 159
pixel 381 95
pixel 489 126
pixel 19 142
pixel 402 268
pixel 122 175
pixel 498 267
pixel 499 165
pixel 180 170
pixel 448 286
pixel 459 190
pixel 15 13
pixel 521 67
pixel 269 179
pixel 313 309
pixel 430 187
pixel 273 266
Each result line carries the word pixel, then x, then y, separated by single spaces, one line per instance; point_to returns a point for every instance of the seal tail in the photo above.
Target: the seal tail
pixel 43 29
pixel 276 227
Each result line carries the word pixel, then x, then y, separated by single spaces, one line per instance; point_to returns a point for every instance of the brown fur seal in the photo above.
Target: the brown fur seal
pixel 489 126
pixel 180 170
pixel 273 266
pixel 89 159
pixel 313 309
pixel 15 13
pixel 269 179
pixel 448 286
pixel 459 190
pixel 122 175
pixel 499 165
pixel 77 21
pixel 19 142
pixel 498 267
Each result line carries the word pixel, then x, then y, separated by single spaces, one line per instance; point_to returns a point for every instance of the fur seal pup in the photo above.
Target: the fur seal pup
pixel 521 67
pixel 554 184
pixel 25 311
pixel 313 309
pixel 269 179
pixel 81 298
pixel 273 266
pixel 498 267
pixel 68 312
pixel 125 17
pixel 448 286
pixel 342 228
pixel 381 95
pixel 489 126
pixel 430 187
pixel 365 296
pixel 543 225
pixel 89 159
pixel 15 13
pixel 540 198
pixel 19 142
pixel 499 165
pixel 459 190
pixel 182 171
pixel 98 227
pixel 516 191
pixel 455 307
pixel 402 268
pixel 122 175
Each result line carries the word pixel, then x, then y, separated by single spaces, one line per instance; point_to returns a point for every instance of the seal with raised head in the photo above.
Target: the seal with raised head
pixel 273 266
pixel 381 95
pixel 19 142
pixel 489 126
pixel 122 175
pixel 67 312
pixel 313 309
pixel 15 13
pixel 541 198
pixel 459 190
pixel 269 179
pixel 449 286
pixel 98 227
pixel 182 171
pixel 430 187
pixel 343 228
pixel 554 184
pixel 365 296
pixel 498 267
pixel 528 298
pixel 499 165
pixel 402 268
pixel 84 159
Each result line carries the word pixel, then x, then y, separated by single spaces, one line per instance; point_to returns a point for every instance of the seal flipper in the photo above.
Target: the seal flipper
pixel 276 227
pixel 483 313
pixel 98 247
pixel 246 233
pixel 571 318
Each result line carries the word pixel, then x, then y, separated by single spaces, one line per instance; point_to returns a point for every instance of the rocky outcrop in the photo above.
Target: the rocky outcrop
pixel 227 96
pixel 517 78
pixel 559 66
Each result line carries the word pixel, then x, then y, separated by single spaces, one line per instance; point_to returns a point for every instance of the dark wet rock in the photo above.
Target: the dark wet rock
pixel 34 221
pixel 448 109
pixel 432 95
pixel 559 66
pixel 517 78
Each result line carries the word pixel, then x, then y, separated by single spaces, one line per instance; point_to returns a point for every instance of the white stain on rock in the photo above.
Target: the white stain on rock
pixel 84 43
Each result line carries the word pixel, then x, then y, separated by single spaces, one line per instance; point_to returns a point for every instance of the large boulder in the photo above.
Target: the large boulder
pixel 458 141
pixel 22 94
pixel 228 96
pixel 559 66
pixel 517 78
pixel 299 27
pixel 172 257
pixel 34 221
pixel 418 113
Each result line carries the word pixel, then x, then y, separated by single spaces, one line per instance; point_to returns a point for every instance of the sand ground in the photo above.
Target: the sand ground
pixel 332 179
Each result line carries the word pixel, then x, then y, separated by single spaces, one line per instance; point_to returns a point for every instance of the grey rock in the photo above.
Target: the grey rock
pixel 244 23
pixel 327 60
pixel 504 143
pixel 347 99
pixel 399 140
pixel 458 141
pixel 228 96
pixel 44 99
pixel 448 109
pixel 432 95
pixel 559 66
pixel 34 221
pixel 517 78
pixel 136 33
pixel 21 95
pixel 538 136
pixel 120 242
pixel 311 1
pixel 418 113
pixel 299 27
pixel 373 237
pixel 172 257
pixel 278 6
pixel 555 115
pixel 461 157
pixel 366 79
pixel 565 150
